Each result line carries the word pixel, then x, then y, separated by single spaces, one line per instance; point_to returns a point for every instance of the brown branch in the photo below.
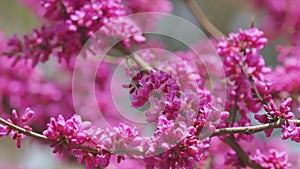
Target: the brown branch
pixel 24 131
pixel 136 58
pixel 231 130
pixel 203 20
pixel 223 131
pixel 44 138
pixel 243 156
pixel 251 129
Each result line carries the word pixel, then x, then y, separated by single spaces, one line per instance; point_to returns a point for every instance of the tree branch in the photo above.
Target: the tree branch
pixel 251 129
pixel 136 58
pixel 203 20
pixel 24 131
pixel 243 156
pixel 44 138
pixel 223 131
pixel 111 59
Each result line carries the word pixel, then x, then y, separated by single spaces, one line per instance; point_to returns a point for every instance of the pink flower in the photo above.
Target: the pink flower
pixel 145 84
pixel 274 159
pixel 72 24
pixel 242 64
pixel 19 121
pixel 240 47
pixel 290 130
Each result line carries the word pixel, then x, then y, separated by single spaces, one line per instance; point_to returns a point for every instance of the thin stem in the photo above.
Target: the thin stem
pixel 235 108
pixel 136 58
pixel 141 63
pixel 111 59
pixel 250 78
pixel 24 131
pixel 252 129
pixel 203 20
pixel 252 21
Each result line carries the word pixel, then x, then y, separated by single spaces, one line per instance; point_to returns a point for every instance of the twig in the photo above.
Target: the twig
pixel 252 21
pixel 136 58
pixel 243 156
pixel 251 129
pixel 203 20
pixel 24 131
pixel 141 63
pixel 111 59
pixel 235 108
pixel 250 78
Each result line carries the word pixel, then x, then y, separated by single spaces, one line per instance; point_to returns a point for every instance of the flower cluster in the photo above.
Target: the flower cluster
pixel 94 146
pixel 72 23
pixel 178 115
pixel 290 130
pixel 89 15
pixel 284 112
pixel 244 67
pixel 272 160
pixel 258 151
pixel 74 132
pixel 144 85
pixel 243 49
pixel 274 114
pixel 185 154
pixel 18 121
pixel 185 73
